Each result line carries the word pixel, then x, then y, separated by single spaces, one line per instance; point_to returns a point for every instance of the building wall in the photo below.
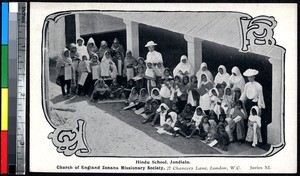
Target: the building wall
pixel 92 23
pixel 57 39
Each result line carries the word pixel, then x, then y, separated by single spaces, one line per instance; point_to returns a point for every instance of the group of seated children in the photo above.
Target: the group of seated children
pixel 183 106
pixel 183 103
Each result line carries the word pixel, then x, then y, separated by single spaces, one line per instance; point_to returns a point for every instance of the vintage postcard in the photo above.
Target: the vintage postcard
pixel 163 88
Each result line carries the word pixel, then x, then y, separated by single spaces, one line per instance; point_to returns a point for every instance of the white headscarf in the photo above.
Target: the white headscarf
pixel 183 67
pixel 63 61
pixel 222 77
pixel 105 65
pixel 255 118
pixel 174 119
pixel 197 118
pixel 158 97
pixel 238 81
pixel 207 72
pixel 82 50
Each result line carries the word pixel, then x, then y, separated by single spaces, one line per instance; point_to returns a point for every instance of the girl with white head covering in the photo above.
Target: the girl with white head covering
pixel 170 122
pixel 161 113
pixel 222 75
pixel 236 79
pixel 204 100
pixel 155 95
pixel 253 91
pixel 204 69
pixel 95 67
pixel 108 67
pixel 184 67
pixel 84 71
pixel 91 47
pixel 254 127
pixel 63 62
pixel 103 47
pixel 228 100
pixel 81 48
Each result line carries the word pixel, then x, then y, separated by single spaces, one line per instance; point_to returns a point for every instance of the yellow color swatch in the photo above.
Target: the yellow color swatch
pixel 4 109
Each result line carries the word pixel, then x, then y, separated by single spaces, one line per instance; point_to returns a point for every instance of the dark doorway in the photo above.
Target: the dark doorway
pixel 170 44
pixel 216 54
pixel 70 29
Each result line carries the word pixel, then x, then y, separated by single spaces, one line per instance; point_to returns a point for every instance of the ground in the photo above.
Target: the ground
pixel 112 131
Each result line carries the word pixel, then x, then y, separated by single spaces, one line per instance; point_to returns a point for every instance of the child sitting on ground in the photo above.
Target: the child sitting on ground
pixel 222 137
pixel 101 91
pixel 155 95
pixel 196 120
pixel 116 90
pixel 170 122
pixel 133 97
pixel 204 128
pixel 141 102
pixel 160 115
pixel 151 112
pixel 127 89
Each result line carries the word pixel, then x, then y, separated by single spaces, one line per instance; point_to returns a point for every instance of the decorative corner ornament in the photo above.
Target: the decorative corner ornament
pixel 70 141
pixel 257 31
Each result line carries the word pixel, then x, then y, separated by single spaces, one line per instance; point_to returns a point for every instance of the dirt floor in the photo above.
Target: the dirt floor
pixel 112 131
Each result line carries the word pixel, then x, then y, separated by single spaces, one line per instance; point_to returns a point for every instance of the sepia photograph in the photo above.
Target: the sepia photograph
pixel 175 84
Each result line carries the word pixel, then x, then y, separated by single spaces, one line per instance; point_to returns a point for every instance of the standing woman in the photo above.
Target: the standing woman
pixel 153 56
pixel 236 80
pixel 64 62
pixel 184 68
pixel 204 69
pixel 222 76
pixel 253 92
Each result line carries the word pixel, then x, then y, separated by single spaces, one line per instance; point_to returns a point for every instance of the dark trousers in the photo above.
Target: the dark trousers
pixel 63 84
pixel 86 87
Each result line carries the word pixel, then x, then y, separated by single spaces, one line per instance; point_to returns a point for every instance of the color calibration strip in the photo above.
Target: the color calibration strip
pixel 4 88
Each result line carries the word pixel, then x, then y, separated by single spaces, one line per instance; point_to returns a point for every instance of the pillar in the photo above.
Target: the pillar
pixel 132 37
pixel 194 51
pixel 77 25
pixel 275 128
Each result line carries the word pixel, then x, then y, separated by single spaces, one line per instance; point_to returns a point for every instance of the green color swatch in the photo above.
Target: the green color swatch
pixel 4 66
